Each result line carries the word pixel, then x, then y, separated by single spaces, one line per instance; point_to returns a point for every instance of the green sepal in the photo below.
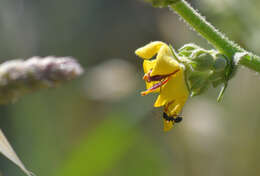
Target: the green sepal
pixel 197 81
pixel 203 62
pixel 229 72
pixel 187 49
pixel 174 53
pixel 204 68
pixel 220 63
pixel 216 83
pixel 221 93
pixel 199 58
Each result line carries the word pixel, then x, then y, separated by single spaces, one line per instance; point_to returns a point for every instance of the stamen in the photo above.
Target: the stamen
pixel 155 86
pixel 147 77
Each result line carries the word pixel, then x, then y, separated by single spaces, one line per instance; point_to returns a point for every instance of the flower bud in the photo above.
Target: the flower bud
pixel 198 82
pixel 203 62
pixel 220 63
pixel 203 68
pixel 200 59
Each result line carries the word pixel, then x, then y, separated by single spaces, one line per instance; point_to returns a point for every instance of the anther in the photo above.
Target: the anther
pixel 155 86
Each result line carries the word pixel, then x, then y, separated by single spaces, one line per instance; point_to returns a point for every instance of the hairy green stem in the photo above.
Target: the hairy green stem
pixel 216 38
pixel 252 62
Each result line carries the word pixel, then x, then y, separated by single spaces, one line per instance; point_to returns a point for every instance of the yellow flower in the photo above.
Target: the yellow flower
pixel 164 75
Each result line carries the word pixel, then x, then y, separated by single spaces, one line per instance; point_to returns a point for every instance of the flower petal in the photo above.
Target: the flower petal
pixel 175 108
pixel 149 50
pixel 165 62
pixel 148 65
pixel 167 125
pixel 165 75
pixel 174 91
pixel 160 101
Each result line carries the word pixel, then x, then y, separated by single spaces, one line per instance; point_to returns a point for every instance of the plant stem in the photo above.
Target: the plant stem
pixel 252 62
pixel 216 38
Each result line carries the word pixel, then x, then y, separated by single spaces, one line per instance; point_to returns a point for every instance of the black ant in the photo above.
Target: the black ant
pixel 176 119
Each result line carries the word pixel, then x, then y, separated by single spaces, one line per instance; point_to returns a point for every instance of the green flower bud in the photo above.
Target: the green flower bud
pixel 220 63
pixel 203 68
pixel 199 58
pixel 203 62
pixel 187 49
pixel 197 81
pixel 199 84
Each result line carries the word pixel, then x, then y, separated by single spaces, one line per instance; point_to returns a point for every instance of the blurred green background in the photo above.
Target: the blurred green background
pixel 99 125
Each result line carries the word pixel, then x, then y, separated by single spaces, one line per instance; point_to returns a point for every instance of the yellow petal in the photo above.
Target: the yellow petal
pixel 148 65
pixel 160 101
pixel 175 108
pixel 175 90
pixel 167 125
pixel 165 62
pixel 149 50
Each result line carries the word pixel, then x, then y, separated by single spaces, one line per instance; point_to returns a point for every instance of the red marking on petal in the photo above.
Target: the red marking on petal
pixel 159 77
pixel 164 78
pixel 155 86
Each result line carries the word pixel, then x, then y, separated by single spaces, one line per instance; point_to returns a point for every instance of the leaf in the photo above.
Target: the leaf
pixel 7 150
